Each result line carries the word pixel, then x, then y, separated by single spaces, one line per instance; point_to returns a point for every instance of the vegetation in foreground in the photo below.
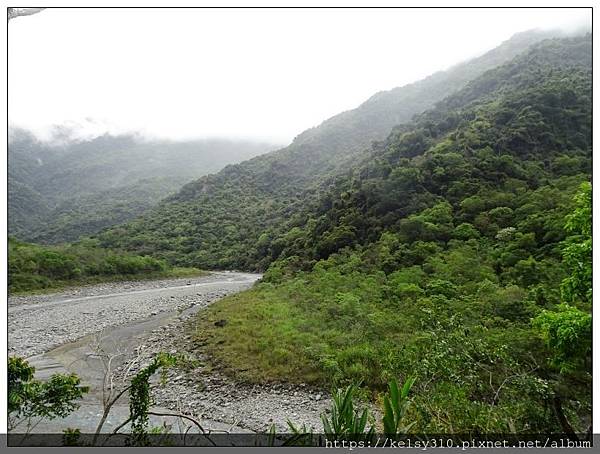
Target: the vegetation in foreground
pixel 32 401
pixel 36 268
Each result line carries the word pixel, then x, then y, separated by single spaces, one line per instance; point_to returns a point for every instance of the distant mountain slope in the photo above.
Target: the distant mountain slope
pixel 219 221
pixel 60 192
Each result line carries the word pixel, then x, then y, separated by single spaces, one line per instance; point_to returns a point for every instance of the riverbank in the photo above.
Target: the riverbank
pixel 133 321
pixel 38 323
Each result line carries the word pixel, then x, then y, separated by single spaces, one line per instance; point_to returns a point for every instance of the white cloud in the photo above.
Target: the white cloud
pixel 263 73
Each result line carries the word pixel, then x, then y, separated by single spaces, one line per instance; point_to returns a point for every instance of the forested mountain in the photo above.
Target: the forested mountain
pixel 60 192
pixel 458 253
pixel 524 121
pixel 228 219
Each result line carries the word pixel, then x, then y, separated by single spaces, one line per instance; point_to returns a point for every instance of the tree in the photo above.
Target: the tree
pixel 577 251
pixel 30 399
pixel 568 330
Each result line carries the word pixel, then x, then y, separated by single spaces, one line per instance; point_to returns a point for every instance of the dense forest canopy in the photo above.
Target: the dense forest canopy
pixel 510 130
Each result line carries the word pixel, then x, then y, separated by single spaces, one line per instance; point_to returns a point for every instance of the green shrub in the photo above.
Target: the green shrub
pixel 34 267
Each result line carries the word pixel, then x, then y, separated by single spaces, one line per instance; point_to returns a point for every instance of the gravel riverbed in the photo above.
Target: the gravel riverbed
pixel 142 319
pixel 39 323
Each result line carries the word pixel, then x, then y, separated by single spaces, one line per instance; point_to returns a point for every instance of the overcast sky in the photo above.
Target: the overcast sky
pixel 251 73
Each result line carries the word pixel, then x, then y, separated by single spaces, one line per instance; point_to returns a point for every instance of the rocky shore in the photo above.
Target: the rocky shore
pixel 195 389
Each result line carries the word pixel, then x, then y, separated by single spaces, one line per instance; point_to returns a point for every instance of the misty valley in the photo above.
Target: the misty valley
pixel 420 264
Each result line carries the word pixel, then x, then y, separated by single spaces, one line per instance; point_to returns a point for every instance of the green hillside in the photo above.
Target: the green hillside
pixel 441 231
pixel 457 252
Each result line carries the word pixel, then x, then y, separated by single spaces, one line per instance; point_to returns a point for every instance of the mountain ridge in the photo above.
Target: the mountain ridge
pixel 249 198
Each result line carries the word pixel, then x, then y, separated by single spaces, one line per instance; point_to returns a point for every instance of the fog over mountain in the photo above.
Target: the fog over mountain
pixel 222 220
pixel 67 187
pixel 76 180
pixel 265 74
